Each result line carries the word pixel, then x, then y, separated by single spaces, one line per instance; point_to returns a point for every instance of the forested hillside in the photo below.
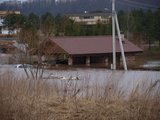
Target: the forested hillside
pixel 41 6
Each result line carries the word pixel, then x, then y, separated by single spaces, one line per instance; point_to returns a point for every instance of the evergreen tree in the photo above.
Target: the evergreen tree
pixel 157 25
pixel 34 20
pixel 13 21
pixel 47 24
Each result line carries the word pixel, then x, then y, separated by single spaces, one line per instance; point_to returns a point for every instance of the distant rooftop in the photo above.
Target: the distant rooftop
pixel 7 39
pixel 94 13
pixel 3 13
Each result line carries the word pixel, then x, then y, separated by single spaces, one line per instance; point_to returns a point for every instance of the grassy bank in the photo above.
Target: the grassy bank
pixel 22 99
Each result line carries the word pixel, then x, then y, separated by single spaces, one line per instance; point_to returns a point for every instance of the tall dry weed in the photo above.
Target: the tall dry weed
pixel 27 99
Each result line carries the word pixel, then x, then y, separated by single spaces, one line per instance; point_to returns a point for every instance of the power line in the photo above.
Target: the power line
pixel 137 4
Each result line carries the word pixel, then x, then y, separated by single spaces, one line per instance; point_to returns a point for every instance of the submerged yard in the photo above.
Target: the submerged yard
pixel 78 94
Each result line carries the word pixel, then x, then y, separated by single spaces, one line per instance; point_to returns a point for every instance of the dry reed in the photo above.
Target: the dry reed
pixel 27 99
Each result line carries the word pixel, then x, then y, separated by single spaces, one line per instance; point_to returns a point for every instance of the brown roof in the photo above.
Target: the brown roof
pixel 92 45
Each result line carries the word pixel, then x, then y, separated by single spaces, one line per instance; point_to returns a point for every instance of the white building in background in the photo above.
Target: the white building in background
pixel 3 29
pixel 91 18
pixel 57 1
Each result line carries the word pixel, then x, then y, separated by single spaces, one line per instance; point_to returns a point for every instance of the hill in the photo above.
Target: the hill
pixel 76 6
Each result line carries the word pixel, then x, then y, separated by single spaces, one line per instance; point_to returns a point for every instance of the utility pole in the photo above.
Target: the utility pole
pixel 115 21
pixel 113 36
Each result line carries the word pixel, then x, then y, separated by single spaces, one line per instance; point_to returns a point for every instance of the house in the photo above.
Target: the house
pixel 91 18
pixel 3 29
pixel 7 50
pixel 64 1
pixel 7 46
pixel 91 50
pixel 10 50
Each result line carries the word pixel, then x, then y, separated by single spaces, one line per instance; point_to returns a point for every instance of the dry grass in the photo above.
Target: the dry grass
pixel 39 100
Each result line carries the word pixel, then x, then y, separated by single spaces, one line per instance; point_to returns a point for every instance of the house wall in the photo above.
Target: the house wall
pixel 130 60
pixel 90 20
pixel 90 60
pixel 6 31
pixel 102 60
pixel 5 58
pixel 79 60
pixel 1 21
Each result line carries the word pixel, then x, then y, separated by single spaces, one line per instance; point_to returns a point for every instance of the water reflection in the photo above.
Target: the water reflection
pixel 151 64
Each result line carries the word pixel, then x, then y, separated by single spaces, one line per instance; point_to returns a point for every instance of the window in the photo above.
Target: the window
pixel 104 17
pixel 86 17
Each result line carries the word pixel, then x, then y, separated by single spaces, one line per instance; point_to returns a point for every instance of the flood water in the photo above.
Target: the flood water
pixel 100 78
pixel 151 64
pixel 89 79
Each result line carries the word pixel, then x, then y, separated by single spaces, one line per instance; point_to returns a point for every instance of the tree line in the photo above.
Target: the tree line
pixel 141 25
pixel 56 25
pixel 137 25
